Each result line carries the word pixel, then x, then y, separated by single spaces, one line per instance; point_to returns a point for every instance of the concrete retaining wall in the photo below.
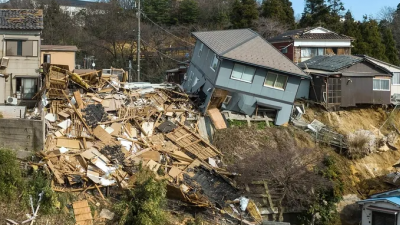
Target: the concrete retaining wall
pixel 21 134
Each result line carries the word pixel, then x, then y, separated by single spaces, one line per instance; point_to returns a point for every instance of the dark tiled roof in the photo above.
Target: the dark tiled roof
pixel 21 19
pixel 300 34
pixel 332 63
pixel 248 47
pixel 76 3
pixel 61 48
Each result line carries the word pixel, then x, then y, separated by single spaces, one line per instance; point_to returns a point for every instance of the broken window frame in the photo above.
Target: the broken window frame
pixel 200 50
pixel 227 99
pixel 22 48
pixel 214 63
pixel 380 88
pixel 277 75
pixel 46 58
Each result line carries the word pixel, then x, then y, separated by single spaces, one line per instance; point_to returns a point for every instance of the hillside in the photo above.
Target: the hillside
pixel 361 177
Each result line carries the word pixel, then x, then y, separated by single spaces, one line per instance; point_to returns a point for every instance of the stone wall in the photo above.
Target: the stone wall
pixel 21 134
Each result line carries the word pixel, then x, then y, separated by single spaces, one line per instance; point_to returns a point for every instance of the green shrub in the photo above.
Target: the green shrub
pixel 10 175
pixel 38 183
pixel 144 204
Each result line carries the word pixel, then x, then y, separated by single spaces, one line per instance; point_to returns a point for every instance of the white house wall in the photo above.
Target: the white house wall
pixel 322 43
pixel 367 214
pixel 19 65
pixel 395 89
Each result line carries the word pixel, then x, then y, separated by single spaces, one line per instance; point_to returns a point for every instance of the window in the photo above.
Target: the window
pixel 46 58
pixel 214 63
pixel 396 79
pixel 275 80
pixel 284 50
pixel 21 48
pixel 243 73
pixel 381 85
pixel 227 99
pixel 201 49
pixel 379 218
pixel 311 52
pixel 27 87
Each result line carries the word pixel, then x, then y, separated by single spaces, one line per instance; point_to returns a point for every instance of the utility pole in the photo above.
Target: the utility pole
pixel 138 40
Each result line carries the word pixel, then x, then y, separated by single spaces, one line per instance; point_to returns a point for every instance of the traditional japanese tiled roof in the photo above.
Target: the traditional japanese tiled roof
pixel 21 19
pixel 301 34
pixel 248 47
pixel 331 63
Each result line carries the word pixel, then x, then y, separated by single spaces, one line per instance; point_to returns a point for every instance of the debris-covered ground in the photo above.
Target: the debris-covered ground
pixel 100 130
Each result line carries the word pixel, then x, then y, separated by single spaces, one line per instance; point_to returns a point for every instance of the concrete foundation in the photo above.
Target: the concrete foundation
pixel 21 134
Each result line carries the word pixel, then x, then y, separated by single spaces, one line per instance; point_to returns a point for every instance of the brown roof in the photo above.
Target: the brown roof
pixel 61 48
pixel 301 34
pixel 248 47
pixel 21 19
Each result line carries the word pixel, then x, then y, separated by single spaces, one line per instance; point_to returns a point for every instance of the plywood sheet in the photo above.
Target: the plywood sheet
pixel 216 118
pixel 102 135
pixel 78 99
pixel 68 143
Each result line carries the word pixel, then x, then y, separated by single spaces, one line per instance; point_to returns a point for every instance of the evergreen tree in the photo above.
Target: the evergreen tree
pixel 372 44
pixel 315 12
pixel 351 28
pixel 244 13
pixel 281 10
pixel 188 11
pixel 58 25
pixel 158 10
pixel 326 13
pixel 391 51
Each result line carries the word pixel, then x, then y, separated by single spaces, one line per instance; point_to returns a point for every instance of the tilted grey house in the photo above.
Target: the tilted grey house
pixel 238 70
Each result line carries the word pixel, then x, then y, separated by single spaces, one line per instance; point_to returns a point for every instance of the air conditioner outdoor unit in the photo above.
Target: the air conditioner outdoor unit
pixel 4 62
pixel 12 100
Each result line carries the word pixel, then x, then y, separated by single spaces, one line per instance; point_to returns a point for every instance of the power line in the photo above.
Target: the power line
pixel 145 16
pixel 161 52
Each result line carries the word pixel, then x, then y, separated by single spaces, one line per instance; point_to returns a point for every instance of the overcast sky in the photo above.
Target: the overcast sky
pixel 357 7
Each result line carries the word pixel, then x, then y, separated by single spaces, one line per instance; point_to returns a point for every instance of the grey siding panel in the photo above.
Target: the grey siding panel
pixel 359 91
pixel 207 86
pixel 203 62
pixel 247 104
pixel 364 67
pixel 304 89
pixel 257 86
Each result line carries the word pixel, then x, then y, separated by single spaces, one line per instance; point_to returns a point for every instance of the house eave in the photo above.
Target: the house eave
pixel 268 68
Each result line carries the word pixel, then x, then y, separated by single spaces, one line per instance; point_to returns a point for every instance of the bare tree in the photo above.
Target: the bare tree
pixel 289 170
pixel 387 13
pixel 269 28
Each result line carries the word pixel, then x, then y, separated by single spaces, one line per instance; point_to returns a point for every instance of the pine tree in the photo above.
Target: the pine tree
pixel 188 11
pixel 280 10
pixel 372 43
pixel 158 10
pixel 244 13
pixel 351 28
pixel 326 13
pixel 315 12
pixel 391 51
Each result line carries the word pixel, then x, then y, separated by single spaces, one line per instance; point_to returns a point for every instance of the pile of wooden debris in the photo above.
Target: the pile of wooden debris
pixel 99 129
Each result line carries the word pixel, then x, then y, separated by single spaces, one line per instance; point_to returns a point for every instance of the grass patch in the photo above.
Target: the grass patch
pixel 10 175
pixel 237 123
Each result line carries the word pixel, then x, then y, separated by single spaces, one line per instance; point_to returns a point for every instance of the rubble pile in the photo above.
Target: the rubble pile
pixel 99 129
